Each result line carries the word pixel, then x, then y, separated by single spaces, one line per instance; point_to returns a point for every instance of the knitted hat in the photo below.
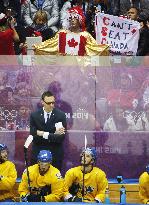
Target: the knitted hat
pixel 76 12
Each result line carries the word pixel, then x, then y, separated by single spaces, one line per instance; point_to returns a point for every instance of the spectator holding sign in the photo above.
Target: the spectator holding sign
pixel 133 13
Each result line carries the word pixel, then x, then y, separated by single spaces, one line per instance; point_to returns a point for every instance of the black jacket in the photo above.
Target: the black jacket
pixel 143 44
pixel 54 141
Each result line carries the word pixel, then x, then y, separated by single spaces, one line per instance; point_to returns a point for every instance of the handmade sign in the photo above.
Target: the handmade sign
pixel 120 33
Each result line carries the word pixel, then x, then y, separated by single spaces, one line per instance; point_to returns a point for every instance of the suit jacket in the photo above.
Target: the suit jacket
pixel 54 141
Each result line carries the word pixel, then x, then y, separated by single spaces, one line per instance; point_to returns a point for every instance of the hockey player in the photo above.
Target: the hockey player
pixel 42 181
pixel 144 186
pixel 86 182
pixel 8 175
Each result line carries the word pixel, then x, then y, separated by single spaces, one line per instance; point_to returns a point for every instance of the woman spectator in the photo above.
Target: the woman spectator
pixel 8 35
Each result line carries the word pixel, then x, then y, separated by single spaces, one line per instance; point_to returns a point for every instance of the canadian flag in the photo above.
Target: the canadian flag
pixel 72 44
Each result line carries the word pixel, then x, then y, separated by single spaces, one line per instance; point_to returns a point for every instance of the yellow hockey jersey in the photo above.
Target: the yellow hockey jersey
pixel 95 184
pixel 144 187
pixel 9 173
pixel 52 178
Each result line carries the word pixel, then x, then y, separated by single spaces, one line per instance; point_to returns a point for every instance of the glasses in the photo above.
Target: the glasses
pixel 49 103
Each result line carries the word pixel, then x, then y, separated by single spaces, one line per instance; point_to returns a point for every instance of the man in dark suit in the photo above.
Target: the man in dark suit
pixel 48 125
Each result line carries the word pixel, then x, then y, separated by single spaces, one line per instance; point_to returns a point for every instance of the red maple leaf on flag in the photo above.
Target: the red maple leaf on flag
pixel 72 43
pixel 133 31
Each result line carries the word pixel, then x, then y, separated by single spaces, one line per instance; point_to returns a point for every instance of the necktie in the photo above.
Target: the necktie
pixel 48 119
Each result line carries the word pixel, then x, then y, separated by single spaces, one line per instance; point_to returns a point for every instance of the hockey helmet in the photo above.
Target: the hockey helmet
pixel 3 147
pixel 91 151
pixel 44 156
pixel 147 168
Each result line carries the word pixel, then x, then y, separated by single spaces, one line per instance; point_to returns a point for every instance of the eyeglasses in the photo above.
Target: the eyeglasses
pixel 49 103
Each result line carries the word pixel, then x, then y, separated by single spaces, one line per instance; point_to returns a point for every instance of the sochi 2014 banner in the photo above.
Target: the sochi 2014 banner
pixel 120 33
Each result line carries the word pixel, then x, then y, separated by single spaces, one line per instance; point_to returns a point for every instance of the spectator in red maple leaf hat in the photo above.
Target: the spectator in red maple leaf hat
pixel 73 40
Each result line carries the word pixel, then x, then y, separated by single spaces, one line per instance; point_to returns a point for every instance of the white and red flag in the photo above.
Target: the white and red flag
pixel 72 44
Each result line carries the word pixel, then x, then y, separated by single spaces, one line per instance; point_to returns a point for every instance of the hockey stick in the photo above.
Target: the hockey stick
pixel 83 182
pixel 26 145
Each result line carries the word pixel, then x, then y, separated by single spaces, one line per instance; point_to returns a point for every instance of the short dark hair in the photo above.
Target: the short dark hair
pixel 46 93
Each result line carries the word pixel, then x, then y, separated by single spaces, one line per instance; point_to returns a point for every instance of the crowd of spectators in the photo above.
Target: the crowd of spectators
pixel 46 17
pixel 15 105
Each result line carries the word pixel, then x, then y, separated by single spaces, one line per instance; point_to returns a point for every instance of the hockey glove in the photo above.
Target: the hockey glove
pixel 75 199
pixel 34 198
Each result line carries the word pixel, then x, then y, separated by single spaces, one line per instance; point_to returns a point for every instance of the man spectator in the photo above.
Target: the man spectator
pixel 46 183
pixel 133 13
pixel 48 126
pixel 8 175
pixel 86 182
